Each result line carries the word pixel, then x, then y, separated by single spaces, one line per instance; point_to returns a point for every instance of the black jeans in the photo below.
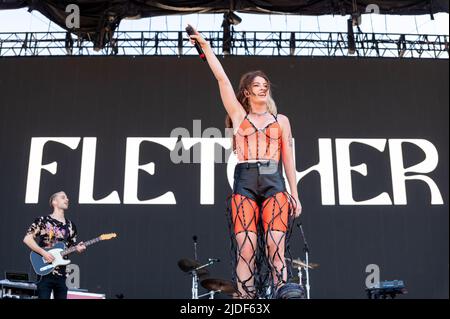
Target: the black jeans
pixel 52 282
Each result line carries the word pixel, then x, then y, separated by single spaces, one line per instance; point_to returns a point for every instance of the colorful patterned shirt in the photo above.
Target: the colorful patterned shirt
pixel 48 231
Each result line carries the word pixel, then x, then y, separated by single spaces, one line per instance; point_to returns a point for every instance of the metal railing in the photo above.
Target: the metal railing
pixel 240 43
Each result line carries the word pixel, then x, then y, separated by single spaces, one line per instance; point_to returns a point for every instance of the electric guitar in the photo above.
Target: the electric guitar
pixel 58 251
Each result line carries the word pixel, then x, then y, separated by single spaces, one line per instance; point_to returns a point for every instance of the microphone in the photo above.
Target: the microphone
pixel 190 31
pixel 213 259
pixel 194 238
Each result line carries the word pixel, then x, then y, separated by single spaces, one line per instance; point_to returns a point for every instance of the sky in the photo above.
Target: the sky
pixel 20 20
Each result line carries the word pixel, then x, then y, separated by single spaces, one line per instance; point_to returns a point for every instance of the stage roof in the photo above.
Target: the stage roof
pixel 99 16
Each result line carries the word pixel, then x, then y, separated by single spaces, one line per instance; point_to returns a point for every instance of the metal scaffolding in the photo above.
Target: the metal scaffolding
pixel 240 43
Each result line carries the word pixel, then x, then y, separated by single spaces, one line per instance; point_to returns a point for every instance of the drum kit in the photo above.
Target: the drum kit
pixel 199 273
pixel 303 266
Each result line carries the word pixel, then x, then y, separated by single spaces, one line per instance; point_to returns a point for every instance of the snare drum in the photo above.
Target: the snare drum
pixel 290 291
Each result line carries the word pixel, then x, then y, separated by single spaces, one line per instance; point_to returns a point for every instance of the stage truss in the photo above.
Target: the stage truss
pixel 150 43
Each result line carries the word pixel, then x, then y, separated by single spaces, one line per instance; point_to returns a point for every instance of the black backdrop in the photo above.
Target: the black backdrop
pixel 112 98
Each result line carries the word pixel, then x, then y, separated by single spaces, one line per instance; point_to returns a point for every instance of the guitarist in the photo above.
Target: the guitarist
pixel 44 233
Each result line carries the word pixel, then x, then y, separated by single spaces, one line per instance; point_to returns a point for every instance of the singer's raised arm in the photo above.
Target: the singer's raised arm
pixel 229 100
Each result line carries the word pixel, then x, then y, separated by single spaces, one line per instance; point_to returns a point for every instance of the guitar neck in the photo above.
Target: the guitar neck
pixel 74 248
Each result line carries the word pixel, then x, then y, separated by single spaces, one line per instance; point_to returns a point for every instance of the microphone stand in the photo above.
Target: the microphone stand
pixel 306 250
pixel 194 238
pixel 194 272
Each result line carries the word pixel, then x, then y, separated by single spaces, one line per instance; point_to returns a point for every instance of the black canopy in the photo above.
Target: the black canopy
pixel 98 16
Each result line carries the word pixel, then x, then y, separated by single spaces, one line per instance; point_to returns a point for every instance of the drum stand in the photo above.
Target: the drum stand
pixel 195 279
pixel 210 294
pixel 307 273
pixel 300 278
pixel 195 276
pixel 194 285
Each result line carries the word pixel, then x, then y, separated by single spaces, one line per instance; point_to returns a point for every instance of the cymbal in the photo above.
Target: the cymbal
pixel 188 265
pixel 300 263
pixel 214 284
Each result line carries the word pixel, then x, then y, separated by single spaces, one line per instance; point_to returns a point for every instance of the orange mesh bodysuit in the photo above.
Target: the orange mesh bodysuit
pixel 252 143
